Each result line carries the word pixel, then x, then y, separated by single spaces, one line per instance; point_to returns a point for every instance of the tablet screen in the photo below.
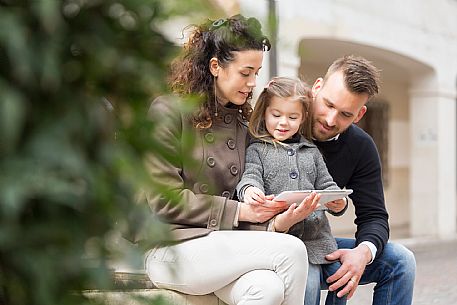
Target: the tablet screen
pixel 298 196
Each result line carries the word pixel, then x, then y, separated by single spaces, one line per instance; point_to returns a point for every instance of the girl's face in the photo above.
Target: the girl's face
pixel 237 79
pixel 283 117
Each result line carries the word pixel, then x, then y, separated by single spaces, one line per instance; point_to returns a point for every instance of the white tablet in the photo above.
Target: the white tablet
pixel 298 196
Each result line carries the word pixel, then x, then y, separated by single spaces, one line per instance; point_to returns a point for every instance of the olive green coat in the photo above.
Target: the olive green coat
pixel 203 176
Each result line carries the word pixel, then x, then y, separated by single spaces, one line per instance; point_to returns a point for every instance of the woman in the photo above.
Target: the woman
pixel 223 245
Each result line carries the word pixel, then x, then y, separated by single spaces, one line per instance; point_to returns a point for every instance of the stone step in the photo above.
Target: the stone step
pixel 135 288
pixel 148 296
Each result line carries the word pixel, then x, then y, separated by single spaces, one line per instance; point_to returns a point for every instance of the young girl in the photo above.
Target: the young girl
pixel 282 157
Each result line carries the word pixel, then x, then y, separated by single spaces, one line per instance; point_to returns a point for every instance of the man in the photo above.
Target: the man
pixel 353 161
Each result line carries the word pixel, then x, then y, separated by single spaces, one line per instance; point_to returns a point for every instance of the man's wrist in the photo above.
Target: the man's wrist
pixel 343 210
pixel 371 254
pixel 365 250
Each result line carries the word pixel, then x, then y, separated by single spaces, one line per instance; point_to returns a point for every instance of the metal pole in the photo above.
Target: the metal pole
pixel 273 29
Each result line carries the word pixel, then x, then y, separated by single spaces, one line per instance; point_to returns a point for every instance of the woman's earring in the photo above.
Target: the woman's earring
pixel 215 96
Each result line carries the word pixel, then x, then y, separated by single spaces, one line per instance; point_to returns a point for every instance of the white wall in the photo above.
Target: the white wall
pixel 416 41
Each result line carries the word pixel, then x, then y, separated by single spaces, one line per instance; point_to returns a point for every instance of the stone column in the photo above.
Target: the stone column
pixel 433 161
pixel 288 61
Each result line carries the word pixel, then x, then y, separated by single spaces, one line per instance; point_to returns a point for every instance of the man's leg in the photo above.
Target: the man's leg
pixel 313 285
pixel 393 272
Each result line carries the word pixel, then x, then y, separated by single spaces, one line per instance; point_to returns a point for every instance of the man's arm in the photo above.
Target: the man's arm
pixel 368 198
pixel 371 216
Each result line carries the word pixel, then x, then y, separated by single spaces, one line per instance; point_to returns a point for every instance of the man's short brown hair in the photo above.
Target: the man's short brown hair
pixel 360 75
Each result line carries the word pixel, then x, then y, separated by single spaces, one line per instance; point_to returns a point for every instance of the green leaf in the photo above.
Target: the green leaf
pixel 12 116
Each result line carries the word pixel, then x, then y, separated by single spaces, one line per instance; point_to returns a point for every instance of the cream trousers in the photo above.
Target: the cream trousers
pixel 240 267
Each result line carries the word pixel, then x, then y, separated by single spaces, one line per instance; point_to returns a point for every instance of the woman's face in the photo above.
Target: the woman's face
pixel 237 79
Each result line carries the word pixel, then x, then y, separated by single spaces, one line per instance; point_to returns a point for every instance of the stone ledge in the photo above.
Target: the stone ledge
pixel 135 288
pixel 129 280
pixel 147 296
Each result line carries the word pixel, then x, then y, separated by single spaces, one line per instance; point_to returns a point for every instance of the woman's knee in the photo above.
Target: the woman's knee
pixel 296 250
pixel 293 246
pixel 255 287
pixel 269 288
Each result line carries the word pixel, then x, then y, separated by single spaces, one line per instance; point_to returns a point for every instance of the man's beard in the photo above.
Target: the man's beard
pixel 323 136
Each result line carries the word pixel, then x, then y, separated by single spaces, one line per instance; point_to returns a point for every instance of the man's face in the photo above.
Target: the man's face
pixel 335 107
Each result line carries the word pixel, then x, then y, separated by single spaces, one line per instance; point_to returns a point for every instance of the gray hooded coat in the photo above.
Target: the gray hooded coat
pixel 274 168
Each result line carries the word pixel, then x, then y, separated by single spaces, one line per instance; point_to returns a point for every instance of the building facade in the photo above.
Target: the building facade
pixel 414 43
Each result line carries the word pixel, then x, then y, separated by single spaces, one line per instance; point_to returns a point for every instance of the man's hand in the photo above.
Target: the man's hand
pixel 336 206
pixel 353 263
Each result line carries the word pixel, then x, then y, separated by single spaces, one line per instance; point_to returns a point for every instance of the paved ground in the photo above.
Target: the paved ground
pixel 436 278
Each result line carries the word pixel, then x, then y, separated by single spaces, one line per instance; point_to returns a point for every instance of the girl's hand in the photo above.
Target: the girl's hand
pixel 254 195
pixel 336 206
pixel 295 214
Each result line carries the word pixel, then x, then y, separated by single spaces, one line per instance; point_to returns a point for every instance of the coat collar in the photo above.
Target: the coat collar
pixel 302 143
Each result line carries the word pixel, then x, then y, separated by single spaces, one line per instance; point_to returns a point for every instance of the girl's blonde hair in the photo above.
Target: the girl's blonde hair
pixel 284 88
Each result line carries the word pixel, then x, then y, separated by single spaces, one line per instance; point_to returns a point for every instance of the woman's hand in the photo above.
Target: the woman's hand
pixel 261 212
pixel 295 214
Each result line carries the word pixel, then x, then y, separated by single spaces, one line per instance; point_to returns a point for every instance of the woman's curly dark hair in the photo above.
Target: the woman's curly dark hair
pixel 190 72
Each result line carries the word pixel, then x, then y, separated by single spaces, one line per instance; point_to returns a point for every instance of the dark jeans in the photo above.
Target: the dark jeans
pixel 393 272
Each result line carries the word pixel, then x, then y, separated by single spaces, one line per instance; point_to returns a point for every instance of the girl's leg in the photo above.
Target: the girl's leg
pixel 313 285
pixel 327 271
pixel 207 264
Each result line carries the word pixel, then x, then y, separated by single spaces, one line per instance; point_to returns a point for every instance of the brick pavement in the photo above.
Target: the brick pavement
pixel 436 278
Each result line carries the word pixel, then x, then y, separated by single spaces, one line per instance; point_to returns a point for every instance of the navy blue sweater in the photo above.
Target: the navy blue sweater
pixel 353 161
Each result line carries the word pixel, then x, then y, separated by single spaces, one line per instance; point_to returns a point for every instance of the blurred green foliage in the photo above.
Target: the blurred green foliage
pixel 76 77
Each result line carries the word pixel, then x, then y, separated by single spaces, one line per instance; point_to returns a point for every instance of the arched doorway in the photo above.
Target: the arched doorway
pixel 399 75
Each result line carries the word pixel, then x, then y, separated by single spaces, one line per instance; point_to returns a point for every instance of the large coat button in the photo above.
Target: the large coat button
pixel 231 144
pixel 213 222
pixel 204 188
pixel 290 152
pixel 233 170
pixel 228 118
pixel 210 161
pixel 293 175
pixel 209 137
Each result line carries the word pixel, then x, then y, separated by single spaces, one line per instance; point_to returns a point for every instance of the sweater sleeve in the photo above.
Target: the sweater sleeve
pixel 368 198
pixel 253 171
pixel 168 195
pixel 325 181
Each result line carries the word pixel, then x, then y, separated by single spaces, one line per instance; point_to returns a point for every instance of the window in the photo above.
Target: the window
pixel 376 123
